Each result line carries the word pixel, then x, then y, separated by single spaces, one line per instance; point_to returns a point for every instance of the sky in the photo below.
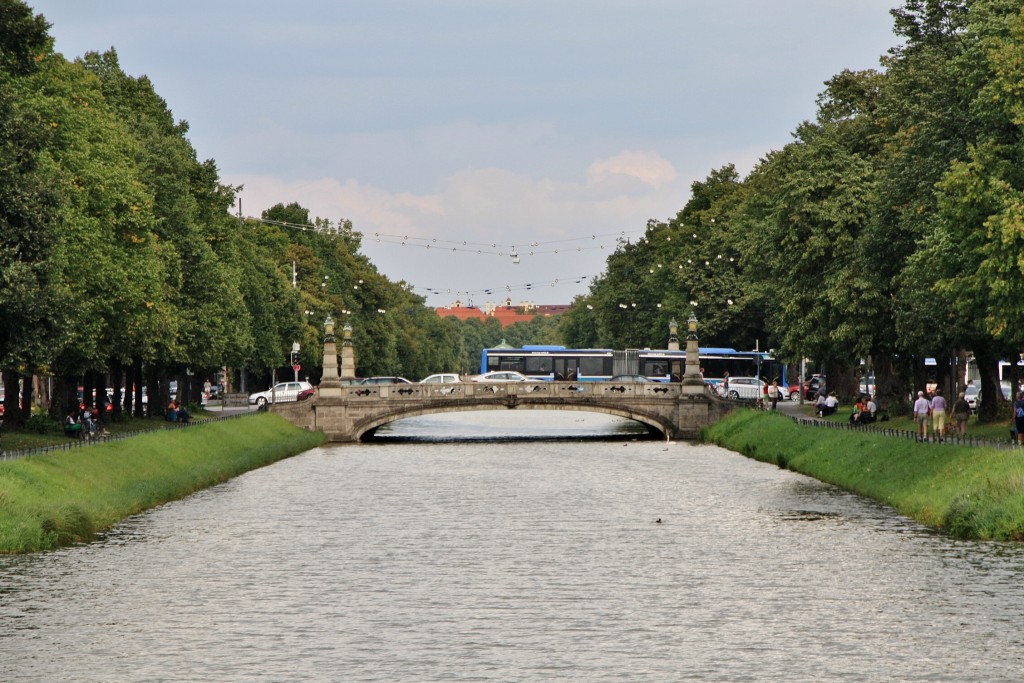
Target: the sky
pixel 551 128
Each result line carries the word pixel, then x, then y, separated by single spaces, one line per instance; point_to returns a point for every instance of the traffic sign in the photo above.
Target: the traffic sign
pixel 296 367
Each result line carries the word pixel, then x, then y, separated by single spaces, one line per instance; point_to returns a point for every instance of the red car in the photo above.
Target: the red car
pixel 306 393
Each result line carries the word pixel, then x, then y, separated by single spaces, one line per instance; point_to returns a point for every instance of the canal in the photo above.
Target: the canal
pixel 457 550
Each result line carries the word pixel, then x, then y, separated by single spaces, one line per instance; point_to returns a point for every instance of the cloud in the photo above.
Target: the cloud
pixel 616 193
pixel 580 218
pixel 647 167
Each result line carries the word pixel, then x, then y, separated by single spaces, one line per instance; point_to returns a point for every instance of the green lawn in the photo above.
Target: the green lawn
pixel 65 497
pixel 53 434
pixel 967 491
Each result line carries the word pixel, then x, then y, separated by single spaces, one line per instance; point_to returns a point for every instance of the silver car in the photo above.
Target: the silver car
pixel 442 378
pixel 282 392
pixel 501 376
pixel 745 387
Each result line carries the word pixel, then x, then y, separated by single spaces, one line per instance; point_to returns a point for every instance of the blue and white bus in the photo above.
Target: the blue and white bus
pixel 549 363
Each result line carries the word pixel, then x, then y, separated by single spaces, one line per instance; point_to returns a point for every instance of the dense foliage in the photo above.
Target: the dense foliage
pixel 122 265
pixel 891 229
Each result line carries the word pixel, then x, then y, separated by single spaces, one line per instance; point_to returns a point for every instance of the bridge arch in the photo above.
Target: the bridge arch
pixel 364 429
pixel 348 414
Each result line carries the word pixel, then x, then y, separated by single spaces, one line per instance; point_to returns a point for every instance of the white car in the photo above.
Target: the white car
pixel 745 387
pixel 501 376
pixel 972 395
pixel 441 378
pixel 283 392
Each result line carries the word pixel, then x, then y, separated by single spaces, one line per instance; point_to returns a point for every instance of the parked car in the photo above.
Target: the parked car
pixel 812 386
pixel 630 379
pixel 282 392
pixel 385 380
pixel 746 387
pixel 442 378
pixel 972 394
pixel 500 376
pixel 306 394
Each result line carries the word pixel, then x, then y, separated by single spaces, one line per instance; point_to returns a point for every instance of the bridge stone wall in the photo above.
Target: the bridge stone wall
pixel 359 410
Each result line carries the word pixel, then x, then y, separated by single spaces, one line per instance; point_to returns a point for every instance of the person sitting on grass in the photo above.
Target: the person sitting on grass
pixel 72 427
pixel 183 415
pixel 172 412
pixel 831 405
pixel 860 409
pixel 870 411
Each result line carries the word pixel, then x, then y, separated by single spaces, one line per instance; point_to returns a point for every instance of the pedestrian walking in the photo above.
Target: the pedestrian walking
pixel 961 413
pixel 1018 417
pixel 922 412
pixel 938 406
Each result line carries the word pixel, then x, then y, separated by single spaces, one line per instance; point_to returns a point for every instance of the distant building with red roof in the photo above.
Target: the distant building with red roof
pixel 506 314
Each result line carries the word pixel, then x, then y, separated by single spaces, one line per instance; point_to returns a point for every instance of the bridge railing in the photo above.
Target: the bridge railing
pixel 462 390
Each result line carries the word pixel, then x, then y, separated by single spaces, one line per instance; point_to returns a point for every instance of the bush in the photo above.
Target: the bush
pixel 40 423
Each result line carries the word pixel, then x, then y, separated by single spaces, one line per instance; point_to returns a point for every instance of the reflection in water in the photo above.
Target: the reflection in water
pixel 513 425
pixel 516 561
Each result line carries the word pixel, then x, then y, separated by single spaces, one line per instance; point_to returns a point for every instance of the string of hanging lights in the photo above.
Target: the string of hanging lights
pixel 533 248
pixel 508 289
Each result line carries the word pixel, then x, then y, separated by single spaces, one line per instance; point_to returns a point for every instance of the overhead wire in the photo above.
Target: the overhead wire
pixel 479 248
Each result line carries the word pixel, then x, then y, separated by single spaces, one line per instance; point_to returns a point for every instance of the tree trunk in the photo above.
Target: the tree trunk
pixel 944 375
pixel 139 387
pixel 155 391
pixel 27 392
pixel 891 389
pixel 991 394
pixel 117 378
pixel 65 397
pixel 12 414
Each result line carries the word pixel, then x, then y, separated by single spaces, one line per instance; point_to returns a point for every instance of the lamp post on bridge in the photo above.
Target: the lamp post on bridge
pixel 348 353
pixel 329 383
pixel 693 383
pixel 673 345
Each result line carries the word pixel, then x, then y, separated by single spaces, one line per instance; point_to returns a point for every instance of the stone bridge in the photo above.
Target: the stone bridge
pixel 673 411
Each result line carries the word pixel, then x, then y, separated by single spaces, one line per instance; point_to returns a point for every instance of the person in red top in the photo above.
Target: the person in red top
pixel 860 408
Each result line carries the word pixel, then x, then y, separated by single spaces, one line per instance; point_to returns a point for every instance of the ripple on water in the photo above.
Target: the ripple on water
pixel 516 561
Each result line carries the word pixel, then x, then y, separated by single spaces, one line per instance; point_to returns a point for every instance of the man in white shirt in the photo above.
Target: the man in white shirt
pixel 922 411
pixel 872 409
pixel 831 404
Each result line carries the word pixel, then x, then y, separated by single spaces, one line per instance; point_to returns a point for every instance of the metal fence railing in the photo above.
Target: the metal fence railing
pixel 74 443
pixel 949 439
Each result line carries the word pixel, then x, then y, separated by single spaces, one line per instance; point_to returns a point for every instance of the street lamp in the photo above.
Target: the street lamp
pixel 329 328
pixel 673 330
pixel 691 327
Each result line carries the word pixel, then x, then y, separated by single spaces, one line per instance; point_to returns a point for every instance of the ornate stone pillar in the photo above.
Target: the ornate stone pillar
pixel 348 354
pixel 674 370
pixel 329 384
pixel 693 383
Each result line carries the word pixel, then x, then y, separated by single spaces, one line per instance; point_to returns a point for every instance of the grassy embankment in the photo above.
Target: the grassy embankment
pixel 68 497
pixel 968 492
